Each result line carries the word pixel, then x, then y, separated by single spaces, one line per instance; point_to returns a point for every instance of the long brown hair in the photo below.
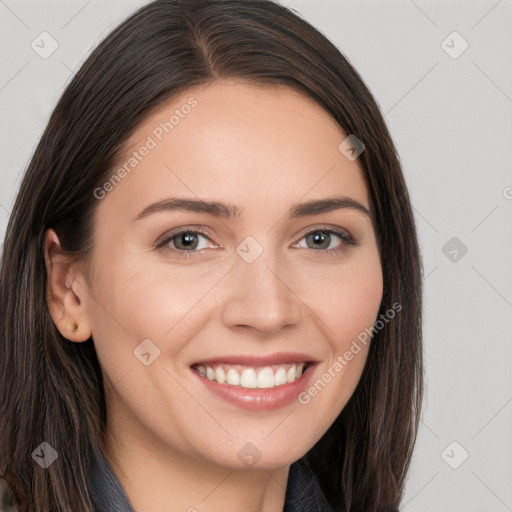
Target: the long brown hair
pixel 51 390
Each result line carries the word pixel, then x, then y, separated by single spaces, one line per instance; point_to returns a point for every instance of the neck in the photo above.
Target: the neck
pixel 153 477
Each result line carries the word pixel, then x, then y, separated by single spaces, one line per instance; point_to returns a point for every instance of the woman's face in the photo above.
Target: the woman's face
pixel 211 260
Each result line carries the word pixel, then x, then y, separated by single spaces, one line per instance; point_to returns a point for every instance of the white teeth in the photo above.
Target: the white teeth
pixel 233 377
pixel 248 378
pixel 220 375
pixel 280 377
pixel 291 374
pixel 266 378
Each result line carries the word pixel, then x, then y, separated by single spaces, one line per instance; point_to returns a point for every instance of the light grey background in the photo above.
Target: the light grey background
pixel 451 119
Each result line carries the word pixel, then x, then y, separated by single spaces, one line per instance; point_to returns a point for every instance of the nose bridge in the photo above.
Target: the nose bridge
pixel 259 295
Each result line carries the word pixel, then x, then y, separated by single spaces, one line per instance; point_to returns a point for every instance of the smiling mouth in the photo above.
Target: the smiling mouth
pixel 252 377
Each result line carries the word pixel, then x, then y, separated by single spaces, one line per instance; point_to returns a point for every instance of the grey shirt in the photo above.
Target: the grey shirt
pixel 303 492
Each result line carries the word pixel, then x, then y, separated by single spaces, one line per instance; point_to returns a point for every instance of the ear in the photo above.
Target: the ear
pixel 65 294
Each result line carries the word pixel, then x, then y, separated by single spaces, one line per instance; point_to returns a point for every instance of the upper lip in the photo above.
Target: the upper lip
pixel 259 360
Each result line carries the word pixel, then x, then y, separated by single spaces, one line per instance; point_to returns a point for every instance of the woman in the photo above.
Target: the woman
pixel 211 278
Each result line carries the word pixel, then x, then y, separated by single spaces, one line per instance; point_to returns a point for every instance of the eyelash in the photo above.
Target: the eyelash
pixel 345 238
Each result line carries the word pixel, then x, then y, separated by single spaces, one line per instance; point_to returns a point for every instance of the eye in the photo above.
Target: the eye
pixel 184 242
pixel 327 240
pixel 187 240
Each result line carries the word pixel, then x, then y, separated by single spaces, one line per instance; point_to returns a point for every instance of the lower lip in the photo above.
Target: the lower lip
pixel 259 399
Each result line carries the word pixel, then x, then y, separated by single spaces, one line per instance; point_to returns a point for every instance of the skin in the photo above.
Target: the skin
pixel 263 148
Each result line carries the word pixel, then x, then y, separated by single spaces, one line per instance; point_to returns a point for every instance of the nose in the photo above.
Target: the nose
pixel 261 297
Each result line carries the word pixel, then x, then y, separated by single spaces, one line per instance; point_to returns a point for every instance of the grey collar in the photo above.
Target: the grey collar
pixel 303 492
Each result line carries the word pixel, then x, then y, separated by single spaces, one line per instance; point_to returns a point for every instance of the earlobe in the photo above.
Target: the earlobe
pixel 66 308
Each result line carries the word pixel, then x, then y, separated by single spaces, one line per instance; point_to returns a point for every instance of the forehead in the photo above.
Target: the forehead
pixel 233 138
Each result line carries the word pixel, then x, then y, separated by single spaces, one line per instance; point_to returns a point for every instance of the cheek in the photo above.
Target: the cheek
pixel 347 304
pixel 346 297
pixel 138 300
pixel 358 302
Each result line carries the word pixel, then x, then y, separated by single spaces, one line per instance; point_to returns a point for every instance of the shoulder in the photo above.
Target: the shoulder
pixel 303 492
pixel 104 487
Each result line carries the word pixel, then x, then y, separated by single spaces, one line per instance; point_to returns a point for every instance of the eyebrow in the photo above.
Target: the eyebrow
pixel 223 210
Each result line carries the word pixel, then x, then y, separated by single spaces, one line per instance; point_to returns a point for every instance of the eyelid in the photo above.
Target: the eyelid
pixel 167 236
pixel 342 233
pixel 329 228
